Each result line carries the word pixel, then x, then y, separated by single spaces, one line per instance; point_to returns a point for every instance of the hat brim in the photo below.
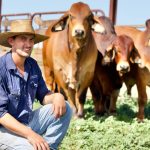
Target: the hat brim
pixel 4 37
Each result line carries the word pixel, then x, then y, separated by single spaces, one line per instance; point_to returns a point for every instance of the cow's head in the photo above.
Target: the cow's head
pixel 79 19
pixel 122 50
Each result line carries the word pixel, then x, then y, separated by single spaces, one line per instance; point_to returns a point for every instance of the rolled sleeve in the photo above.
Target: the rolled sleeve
pixel 3 102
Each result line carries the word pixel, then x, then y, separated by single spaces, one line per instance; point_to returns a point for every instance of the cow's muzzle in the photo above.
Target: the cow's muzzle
pixel 79 33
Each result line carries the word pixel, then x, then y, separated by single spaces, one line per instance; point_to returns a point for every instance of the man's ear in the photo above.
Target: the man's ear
pixel 10 40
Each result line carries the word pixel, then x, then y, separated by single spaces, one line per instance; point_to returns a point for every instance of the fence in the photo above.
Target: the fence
pixel 41 20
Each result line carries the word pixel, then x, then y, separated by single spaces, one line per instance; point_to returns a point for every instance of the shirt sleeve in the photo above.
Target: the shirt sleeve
pixel 42 89
pixel 3 101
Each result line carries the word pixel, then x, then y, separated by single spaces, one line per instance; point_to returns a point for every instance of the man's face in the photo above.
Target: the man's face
pixel 22 44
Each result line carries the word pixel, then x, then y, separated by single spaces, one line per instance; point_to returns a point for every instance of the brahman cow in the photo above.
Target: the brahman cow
pixel 126 56
pixel 124 52
pixel 106 82
pixel 141 41
pixel 137 75
pixel 70 54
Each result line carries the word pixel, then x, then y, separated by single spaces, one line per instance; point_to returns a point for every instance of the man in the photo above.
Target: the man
pixel 21 82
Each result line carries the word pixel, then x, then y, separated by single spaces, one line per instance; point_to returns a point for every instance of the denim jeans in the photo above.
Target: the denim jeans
pixel 42 122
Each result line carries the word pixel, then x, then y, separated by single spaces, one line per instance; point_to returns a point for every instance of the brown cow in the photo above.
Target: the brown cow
pixel 137 75
pixel 125 56
pixel 106 82
pixel 141 41
pixel 69 56
pixel 124 52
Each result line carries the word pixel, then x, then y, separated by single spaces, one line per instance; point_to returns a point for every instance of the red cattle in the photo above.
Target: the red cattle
pixel 125 54
pixel 126 57
pixel 106 82
pixel 137 75
pixel 123 51
pixel 70 54
pixel 141 41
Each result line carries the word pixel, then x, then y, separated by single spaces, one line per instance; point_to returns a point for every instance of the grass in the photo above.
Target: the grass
pixel 120 132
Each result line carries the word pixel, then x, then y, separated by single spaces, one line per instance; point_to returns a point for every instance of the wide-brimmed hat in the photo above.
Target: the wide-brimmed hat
pixel 19 27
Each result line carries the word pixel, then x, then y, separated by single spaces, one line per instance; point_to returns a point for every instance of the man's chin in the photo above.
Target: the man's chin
pixel 22 53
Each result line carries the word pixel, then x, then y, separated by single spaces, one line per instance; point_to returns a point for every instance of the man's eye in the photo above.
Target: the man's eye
pixel 23 38
pixel 32 40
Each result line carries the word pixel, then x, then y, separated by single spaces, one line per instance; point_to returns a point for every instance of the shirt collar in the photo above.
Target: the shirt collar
pixel 9 61
pixel 11 65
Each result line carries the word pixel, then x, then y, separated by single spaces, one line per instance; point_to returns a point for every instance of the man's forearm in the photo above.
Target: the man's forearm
pixel 14 126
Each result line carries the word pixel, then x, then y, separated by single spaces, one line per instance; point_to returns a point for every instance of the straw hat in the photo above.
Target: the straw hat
pixel 19 27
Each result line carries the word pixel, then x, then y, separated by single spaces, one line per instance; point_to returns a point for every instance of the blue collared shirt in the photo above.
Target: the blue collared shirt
pixel 17 93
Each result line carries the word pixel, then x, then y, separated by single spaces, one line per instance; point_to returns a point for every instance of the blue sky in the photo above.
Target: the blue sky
pixel 129 11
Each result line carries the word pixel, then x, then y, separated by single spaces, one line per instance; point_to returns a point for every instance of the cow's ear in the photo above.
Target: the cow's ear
pixel 60 24
pixel 111 51
pixel 109 55
pixel 97 26
pixel 135 56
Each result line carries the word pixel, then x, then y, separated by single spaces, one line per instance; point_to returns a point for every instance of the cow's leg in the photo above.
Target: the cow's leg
pixel 98 100
pixel 71 98
pixel 49 78
pixel 142 99
pixel 129 86
pixel 114 96
pixel 80 100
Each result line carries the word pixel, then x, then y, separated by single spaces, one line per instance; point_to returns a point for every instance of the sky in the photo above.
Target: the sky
pixel 129 12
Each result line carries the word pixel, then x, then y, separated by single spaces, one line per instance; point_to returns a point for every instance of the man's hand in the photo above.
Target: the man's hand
pixel 18 128
pixel 58 101
pixel 37 141
pixel 59 105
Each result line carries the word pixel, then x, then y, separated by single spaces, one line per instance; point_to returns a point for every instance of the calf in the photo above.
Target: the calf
pixel 138 76
pixel 141 41
pixel 106 82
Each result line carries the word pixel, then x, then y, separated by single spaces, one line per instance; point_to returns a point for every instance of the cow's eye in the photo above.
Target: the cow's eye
pixel 118 51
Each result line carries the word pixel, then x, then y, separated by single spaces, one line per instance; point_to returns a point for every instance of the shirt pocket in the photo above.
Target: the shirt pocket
pixel 33 87
pixel 14 98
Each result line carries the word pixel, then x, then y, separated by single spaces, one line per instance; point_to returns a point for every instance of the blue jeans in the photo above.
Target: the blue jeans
pixel 42 122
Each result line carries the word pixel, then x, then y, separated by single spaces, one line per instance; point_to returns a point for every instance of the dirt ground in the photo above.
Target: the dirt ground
pixel 37 55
